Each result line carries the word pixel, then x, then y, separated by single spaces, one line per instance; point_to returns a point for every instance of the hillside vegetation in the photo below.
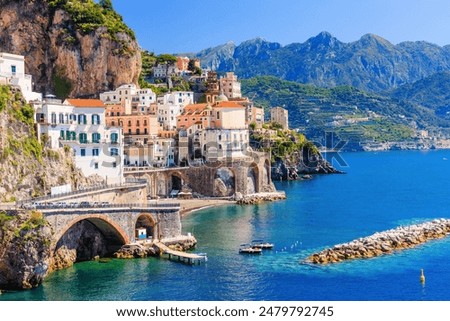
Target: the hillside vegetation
pixel 350 113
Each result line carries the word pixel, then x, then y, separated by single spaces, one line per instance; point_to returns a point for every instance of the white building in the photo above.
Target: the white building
pixel 129 94
pixel 164 70
pixel 12 72
pixel 224 144
pixel 157 152
pixel 80 124
pixel 171 105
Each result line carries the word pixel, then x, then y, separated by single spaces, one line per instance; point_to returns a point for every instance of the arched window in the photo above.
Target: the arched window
pixel 61 118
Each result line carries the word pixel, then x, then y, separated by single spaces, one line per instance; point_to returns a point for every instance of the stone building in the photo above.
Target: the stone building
pixel 280 115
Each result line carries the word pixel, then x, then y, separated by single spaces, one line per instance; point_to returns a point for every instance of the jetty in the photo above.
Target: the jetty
pixel 382 243
pixel 189 258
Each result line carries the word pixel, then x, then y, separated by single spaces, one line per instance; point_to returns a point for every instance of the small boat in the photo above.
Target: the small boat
pixel 249 249
pixel 260 244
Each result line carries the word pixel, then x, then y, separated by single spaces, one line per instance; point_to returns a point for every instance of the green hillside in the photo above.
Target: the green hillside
pixel 350 113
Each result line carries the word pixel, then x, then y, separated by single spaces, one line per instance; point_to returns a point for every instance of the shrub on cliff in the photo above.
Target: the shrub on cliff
pixel 88 16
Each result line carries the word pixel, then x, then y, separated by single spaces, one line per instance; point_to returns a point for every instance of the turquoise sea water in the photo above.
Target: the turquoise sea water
pixel 380 191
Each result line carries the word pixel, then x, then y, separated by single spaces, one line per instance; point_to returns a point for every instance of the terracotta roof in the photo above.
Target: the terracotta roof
pixel 86 102
pixel 229 104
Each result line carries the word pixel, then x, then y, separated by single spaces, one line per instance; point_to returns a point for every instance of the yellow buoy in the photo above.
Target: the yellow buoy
pixel 422 276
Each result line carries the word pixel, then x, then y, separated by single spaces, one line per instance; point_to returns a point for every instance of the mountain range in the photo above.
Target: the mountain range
pixel 371 63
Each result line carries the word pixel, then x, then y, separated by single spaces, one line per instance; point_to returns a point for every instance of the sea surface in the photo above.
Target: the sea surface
pixel 380 191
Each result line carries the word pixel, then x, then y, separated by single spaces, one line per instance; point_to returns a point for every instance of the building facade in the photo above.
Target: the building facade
pixel 12 72
pixel 230 86
pixel 81 125
pixel 172 105
pixel 280 115
pixel 129 94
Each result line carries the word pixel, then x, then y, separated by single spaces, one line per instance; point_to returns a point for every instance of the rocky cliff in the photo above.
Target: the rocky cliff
pixel 71 48
pixel 25 240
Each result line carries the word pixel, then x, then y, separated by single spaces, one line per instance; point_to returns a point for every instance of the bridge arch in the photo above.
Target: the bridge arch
pixel 113 233
pixel 224 181
pixel 145 221
pixel 253 179
pixel 176 180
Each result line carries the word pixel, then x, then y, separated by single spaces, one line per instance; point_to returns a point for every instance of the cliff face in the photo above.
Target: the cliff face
pixel 25 240
pixel 62 58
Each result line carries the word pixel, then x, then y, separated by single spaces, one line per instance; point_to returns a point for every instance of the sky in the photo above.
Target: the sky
pixel 180 26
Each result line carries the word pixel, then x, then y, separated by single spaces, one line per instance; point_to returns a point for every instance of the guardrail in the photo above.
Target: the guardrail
pixel 128 182
pixel 86 205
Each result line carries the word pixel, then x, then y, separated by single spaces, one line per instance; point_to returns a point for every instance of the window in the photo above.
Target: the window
pixel 114 138
pixel 114 164
pixel 83 152
pixel 218 115
pixel 129 131
pixel 114 151
pixel 82 119
pixel 113 123
pixel 61 118
pixel 61 134
pixel 95 153
pixel 138 131
pixel 95 137
pixel 82 138
pixel 13 69
pixel 53 117
pixel 145 122
pixel 129 123
pixel 138 123
pixel 95 119
pixel 112 113
pixel 95 165
pixel 145 131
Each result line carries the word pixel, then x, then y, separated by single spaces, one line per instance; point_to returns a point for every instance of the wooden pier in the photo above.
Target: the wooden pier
pixel 189 258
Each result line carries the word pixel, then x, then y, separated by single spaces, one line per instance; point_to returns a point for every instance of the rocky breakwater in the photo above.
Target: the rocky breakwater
pixel 383 243
pixel 258 198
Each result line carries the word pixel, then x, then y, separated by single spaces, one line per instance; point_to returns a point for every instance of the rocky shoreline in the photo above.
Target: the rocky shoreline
pixel 381 243
pixel 259 198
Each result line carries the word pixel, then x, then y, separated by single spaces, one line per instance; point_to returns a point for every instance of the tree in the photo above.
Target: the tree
pixel 166 58
pixel 106 4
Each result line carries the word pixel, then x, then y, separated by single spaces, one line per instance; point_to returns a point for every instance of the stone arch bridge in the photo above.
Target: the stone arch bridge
pixel 118 223
pixel 248 175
